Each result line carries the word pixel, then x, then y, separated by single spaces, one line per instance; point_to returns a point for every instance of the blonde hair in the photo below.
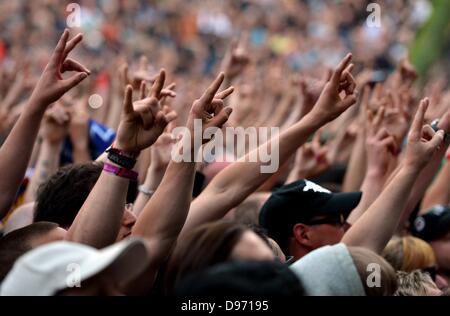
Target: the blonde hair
pixel 413 283
pixel 409 253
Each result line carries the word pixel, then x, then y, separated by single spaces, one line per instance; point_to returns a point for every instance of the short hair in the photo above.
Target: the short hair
pixel 61 197
pixel 362 258
pixel 18 242
pixel 413 283
pixel 409 253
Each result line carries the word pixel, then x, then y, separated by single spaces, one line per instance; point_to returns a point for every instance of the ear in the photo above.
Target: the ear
pixel 302 234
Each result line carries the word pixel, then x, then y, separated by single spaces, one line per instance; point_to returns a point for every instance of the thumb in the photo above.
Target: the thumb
pixel 437 140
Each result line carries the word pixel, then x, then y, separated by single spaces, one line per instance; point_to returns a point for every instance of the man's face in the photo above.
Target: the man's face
pixel 325 234
pixel 325 231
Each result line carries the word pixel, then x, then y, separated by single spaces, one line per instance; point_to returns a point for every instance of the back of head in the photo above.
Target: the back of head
pixel 377 275
pixel 340 270
pixel 201 248
pixel 415 283
pixel 60 198
pixel 409 253
pixel 20 241
pixel 241 279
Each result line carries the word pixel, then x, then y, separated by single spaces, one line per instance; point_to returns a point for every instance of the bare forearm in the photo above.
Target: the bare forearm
pixel 47 164
pixel 423 181
pixel 98 221
pixel 236 182
pixel 439 191
pixel 165 214
pixel 15 154
pixel 371 189
pixel 81 153
pixel 356 168
pixel 377 225
pixel 151 183
pixel 282 109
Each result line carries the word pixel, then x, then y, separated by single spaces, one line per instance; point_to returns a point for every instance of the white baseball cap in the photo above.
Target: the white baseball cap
pixel 51 268
pixel 329 271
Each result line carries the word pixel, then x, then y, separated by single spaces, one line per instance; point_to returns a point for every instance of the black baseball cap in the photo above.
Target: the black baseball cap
pixel 302 202
pixel 434 224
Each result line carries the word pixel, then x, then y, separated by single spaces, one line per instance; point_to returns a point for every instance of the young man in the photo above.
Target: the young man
pixel 303 216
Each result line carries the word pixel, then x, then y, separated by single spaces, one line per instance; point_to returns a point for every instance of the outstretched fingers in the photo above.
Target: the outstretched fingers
pixel 128 100
pixel 336 76
pixel 225 93
pixel 158 85
pixel 58 53
pixel 417 124
pixel 209 94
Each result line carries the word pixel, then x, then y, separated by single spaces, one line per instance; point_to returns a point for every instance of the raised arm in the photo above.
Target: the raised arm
pixel 54 130
pixel 164 215
pixel 236 182
pixel 439 191
pixel 377 225
pixel 380 149
pixel 98 221
pixel 428 173
pixel 16 151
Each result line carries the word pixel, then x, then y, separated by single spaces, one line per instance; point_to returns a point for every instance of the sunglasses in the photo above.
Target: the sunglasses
pixel 431 271
pixel 334 220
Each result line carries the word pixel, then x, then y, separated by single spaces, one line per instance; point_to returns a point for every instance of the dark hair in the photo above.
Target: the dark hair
pixel 61 197
pixel 18 242
pixel 205 246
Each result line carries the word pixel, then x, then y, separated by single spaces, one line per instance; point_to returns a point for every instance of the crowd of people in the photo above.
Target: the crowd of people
pixel 94 202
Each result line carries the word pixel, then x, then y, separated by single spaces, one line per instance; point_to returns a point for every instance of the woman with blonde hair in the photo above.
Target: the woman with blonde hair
pixel 410 253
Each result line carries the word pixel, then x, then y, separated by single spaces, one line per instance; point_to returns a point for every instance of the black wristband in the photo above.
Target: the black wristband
pixel 118 158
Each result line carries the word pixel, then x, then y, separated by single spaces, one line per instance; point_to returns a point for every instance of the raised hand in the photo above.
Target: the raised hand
pixel 135 78
pixel 338 94
pixel 144 120
pixel 310 89
pixel 422 140
pixel 55 124
pixel 311 160
pixel 380 144
pixel 210 107
pixel 235 61
pixel 51 86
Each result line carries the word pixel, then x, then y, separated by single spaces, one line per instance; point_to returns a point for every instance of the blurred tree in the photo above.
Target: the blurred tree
pixel 432 38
